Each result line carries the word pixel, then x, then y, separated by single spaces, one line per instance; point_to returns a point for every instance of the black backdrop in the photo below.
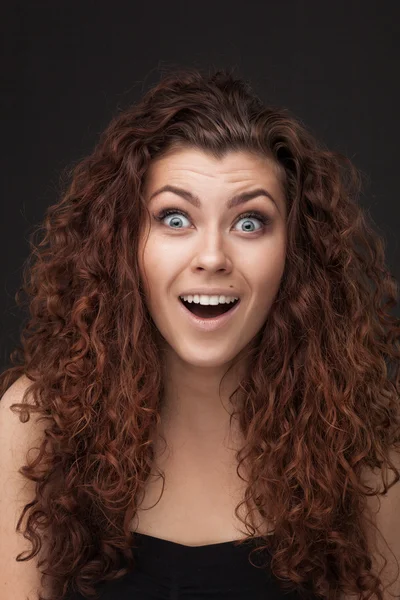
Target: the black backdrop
pixel 67 66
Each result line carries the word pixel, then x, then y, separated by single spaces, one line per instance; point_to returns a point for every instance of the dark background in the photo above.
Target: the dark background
pixel 67 67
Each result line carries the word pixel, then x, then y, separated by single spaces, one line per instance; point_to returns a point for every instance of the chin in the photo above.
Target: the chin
pixel 206 360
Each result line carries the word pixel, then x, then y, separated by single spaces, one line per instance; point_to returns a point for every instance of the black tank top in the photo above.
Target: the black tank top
pixel 167 570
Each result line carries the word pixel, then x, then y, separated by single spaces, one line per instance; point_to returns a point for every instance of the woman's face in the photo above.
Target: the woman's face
pixel 212 246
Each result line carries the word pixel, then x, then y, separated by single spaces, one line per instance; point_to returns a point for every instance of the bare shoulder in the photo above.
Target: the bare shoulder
pixel 384 511
pixel 382 529
pixel 17 579
pixel 14 394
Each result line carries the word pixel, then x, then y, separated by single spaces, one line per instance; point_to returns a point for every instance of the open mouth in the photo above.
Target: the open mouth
pixel 208 311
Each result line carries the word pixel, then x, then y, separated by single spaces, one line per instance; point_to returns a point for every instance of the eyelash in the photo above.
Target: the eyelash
pixel 251 214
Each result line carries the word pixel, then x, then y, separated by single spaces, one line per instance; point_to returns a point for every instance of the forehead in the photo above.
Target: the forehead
pixel 201 173
pixel 235 166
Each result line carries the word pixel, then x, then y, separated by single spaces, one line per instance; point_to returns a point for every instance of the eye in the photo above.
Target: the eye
pixel 248 216
pixel 171 211
pixel 254 215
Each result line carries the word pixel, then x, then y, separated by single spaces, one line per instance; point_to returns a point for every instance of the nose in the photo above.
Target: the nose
pixel 212 254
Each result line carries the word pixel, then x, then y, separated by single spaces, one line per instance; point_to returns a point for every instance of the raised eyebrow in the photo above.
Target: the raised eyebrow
pixel 236 200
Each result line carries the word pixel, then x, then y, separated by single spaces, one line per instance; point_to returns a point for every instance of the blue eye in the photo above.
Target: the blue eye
pixel 264 220
pixel 164 213
pixel 254 215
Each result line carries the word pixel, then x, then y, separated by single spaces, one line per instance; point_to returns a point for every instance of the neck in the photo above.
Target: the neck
pixel 195 405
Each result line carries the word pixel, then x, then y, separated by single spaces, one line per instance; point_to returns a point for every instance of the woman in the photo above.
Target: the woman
pixel 216 381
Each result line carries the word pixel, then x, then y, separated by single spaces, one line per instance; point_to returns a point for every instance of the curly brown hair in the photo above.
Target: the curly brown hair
pixel 321 395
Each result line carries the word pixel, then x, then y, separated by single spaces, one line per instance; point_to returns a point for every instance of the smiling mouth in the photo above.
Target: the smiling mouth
pixel 208 311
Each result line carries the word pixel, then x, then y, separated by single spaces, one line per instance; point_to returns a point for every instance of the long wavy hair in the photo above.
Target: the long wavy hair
pixel 321 394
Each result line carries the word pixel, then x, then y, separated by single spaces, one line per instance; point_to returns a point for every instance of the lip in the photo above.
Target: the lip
pixel 209 324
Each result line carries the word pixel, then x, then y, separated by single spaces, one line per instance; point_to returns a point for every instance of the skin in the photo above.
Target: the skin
pixel 212 247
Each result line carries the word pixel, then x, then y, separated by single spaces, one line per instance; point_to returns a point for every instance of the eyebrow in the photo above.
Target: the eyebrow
pixel 234 201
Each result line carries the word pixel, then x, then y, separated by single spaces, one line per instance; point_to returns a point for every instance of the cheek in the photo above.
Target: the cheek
pixel 149 271
pixel 147 266
pixel 267 279
pixel 159 266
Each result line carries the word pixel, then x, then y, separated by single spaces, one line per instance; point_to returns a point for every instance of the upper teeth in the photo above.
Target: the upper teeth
pixel 203 299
